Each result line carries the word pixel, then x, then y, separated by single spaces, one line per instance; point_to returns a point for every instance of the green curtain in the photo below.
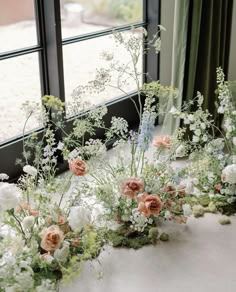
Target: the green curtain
pixel 208 44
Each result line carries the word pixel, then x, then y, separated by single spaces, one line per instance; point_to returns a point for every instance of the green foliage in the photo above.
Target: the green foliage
pixel 124 236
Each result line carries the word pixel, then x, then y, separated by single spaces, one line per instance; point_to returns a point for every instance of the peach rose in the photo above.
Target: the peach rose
pixel 52 238
pixel 20 208
pixel 151 204
pixel 132 186
pixel 34 212
pixel 181 191
pixel 179 220
pixel 168 204
pixel 75 242
pixel 171 190
pixel 61 220
pixel 162 141
pixel 77 166
pixel 218 187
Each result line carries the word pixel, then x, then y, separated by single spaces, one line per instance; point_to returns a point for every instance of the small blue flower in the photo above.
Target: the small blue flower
pixel 146 130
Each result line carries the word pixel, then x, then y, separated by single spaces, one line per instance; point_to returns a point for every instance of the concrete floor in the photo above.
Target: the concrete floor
pixel 200 257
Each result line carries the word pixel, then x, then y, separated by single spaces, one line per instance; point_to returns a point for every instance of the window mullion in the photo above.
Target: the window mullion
pixel 151 15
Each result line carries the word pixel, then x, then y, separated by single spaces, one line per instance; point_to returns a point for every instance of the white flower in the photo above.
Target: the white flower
pixel 187 210
pixel 73 154
pixel 9 196
pixel 60 146
pixel 173 110
pixel 48 259
pixel 30 170
pixel 191 117
pixel 229 174
pixel 167 214
pixel 28 222
pixel 234 141
pixel 197 132
pixel 62 254
pixel 180 151
pixel 220 110
pixel 195 181
pixel 186 121
pixel 204 138
pixel 192 127
pixel 195 139
pixel 233 158
pixel 79 217
pixel 4 176
pixel 203 126
pixel 188 184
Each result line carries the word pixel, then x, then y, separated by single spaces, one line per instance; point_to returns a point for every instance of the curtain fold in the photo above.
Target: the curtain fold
pixel 206 44
pixel 178 62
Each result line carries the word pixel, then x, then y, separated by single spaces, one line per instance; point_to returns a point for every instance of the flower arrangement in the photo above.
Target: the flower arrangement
pixel 211 174
pixel 49 229
pixel 44 238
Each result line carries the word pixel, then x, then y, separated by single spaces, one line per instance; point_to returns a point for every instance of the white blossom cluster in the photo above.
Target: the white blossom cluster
pixel 139 221
pixel 119 127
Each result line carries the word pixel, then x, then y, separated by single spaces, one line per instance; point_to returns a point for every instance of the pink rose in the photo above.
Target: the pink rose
pixel 131 187
pixel 149 204
pixel 77 166
pixel 162 141
pixel 52 238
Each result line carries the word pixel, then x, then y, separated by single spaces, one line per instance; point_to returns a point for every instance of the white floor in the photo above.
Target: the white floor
pixel 200 257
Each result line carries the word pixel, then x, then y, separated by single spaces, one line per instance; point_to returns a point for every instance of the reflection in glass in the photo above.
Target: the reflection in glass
pixel 17 24
pixel 19 82
pixel 85 16
pixel 83 59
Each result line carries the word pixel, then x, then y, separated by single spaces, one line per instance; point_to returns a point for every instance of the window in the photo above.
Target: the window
pixel 51 47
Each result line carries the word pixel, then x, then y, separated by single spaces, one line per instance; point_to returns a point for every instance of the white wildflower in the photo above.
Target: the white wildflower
pixel 9 196
pixel 188 184
pixel 191 117
pixel 167 215
pixel 60 145
pixel 197 132
pixel 187 210
pixel 195 139
pixel 79 217
pixel 28 222
pixel 62 254
pixel 4 176
pixel 203 126
pixel 204 138
pixel 220 110
pixel 30 170
pixel 173 110
pixel 192 127
pixel 234 141
pixel 180 151
pixel 229 174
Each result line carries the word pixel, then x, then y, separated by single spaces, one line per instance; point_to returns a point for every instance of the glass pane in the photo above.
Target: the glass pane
pixel 19 82
pixel 82 59
pixel 17 24
pixel 84 16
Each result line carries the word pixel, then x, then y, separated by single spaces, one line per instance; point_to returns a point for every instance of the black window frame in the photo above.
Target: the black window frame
pixel 50 50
